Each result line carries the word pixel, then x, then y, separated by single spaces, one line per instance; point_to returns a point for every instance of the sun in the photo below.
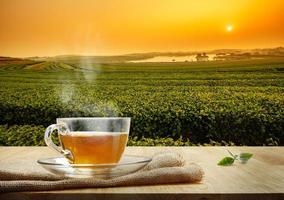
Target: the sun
pixel 229 28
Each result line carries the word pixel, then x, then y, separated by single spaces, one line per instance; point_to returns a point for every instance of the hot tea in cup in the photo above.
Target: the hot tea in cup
pixel 90 140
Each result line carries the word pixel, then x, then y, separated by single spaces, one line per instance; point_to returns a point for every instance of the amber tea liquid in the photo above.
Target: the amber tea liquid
pixel 94 147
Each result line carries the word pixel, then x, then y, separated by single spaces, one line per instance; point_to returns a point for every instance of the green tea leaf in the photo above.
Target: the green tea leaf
pixel 244 157
pixel 226 161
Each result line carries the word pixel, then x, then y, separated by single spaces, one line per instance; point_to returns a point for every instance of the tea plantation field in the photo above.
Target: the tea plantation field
pixel 239 102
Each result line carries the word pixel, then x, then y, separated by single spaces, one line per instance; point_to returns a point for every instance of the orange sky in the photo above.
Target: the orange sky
pixel 103 27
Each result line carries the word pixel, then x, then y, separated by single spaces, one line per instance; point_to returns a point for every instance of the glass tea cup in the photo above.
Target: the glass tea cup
pixel 90 140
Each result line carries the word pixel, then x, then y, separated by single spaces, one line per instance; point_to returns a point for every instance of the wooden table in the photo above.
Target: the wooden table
pixel 261 178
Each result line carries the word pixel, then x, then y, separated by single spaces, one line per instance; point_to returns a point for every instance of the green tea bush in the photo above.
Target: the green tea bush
pixel 30 135
pixel 250 120
pixel 240 102
pixel 25 135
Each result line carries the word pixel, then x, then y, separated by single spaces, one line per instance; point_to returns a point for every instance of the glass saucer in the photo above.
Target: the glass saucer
pixel 127 164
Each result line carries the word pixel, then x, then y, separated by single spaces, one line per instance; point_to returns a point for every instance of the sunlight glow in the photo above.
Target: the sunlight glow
pixel 229 28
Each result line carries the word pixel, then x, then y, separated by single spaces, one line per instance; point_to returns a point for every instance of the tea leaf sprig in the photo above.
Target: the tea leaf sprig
pixel 227 161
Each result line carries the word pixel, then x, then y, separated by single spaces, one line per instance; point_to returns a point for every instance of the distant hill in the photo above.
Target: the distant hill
pixel 279 51
pixel 50 66
pixel 9 63
pixel 94 59
pixel 78 62
pixel 4 60
pixel 14 63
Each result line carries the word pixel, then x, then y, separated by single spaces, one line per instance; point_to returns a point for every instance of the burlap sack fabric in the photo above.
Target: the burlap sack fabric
pixel 165 168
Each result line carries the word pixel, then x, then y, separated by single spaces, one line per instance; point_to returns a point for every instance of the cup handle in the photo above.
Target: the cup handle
pixel 49 142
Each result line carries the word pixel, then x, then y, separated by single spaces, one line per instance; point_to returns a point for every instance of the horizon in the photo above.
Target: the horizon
pixel 149 52
pixel 50 28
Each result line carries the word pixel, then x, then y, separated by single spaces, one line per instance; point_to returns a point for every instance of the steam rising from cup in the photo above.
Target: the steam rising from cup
pixel 73 96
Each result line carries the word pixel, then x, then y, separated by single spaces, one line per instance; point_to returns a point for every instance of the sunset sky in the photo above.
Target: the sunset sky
pixel 105 27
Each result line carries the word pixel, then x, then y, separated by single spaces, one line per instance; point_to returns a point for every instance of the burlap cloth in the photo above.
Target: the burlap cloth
pixel 165 168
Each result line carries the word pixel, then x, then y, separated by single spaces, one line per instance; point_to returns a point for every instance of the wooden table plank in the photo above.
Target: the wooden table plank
pixel 262 177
